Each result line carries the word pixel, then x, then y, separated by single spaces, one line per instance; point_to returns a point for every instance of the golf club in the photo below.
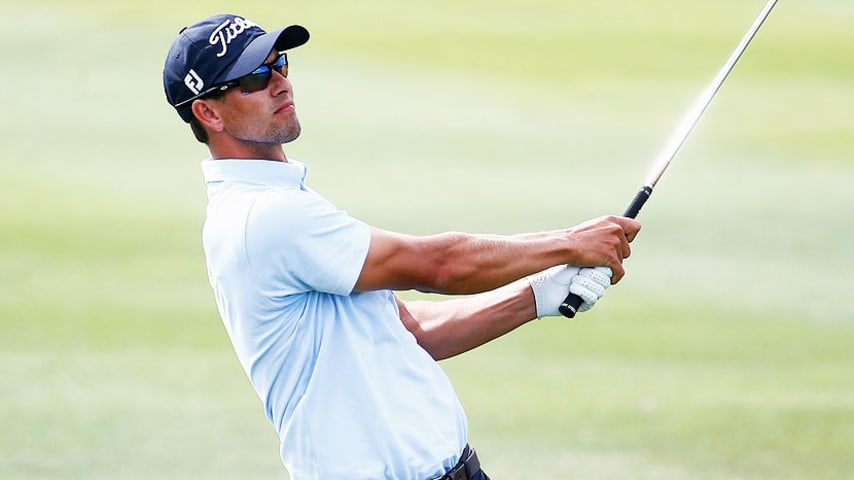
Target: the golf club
pixel 570 305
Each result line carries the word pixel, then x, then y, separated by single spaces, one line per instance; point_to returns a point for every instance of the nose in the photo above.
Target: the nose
pixel 280 83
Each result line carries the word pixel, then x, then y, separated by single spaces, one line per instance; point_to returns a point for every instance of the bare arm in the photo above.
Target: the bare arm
pixel 459 263
pixel 448 328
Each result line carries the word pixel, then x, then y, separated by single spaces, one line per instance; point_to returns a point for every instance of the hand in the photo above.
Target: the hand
pixel 603 241
pixel 551 286
pixel 590 285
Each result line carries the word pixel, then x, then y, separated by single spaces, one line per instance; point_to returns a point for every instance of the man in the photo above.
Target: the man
pixel 347 370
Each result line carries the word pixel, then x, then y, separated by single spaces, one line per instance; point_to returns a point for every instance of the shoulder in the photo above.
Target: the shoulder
pixel 293 208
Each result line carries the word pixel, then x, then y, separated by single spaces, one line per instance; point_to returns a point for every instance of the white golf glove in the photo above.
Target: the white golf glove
pixel 551 287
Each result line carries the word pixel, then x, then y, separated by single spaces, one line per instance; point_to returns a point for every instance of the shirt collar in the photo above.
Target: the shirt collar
pixel 266 172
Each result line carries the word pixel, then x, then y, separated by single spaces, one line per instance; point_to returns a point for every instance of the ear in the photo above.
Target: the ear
pixel 207 112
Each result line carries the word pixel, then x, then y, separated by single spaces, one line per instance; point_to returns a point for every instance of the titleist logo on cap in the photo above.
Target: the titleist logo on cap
pixel 228 31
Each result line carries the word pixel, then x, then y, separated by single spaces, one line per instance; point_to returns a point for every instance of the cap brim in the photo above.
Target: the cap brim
pixel 259 49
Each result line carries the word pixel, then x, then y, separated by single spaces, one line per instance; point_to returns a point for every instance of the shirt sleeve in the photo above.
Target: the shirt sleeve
pixel 297 241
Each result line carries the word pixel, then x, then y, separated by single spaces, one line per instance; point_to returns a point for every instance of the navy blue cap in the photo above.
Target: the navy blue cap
pixel 216 50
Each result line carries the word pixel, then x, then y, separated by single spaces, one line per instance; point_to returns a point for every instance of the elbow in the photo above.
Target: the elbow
pixel 445 268
pixel 449 277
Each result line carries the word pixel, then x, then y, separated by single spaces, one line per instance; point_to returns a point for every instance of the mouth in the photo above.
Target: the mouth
pixel 285 108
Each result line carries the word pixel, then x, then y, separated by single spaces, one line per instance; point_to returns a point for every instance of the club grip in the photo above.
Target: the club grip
pixel 572 302
pixel 636 205
pixel 570 305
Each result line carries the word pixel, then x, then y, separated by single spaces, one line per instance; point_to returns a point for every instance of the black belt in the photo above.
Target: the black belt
pixel 466 468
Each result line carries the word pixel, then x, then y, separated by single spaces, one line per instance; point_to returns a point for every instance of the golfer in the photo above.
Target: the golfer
pixel 345 369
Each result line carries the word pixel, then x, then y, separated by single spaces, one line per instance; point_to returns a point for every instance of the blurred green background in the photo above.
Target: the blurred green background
pixel 725 353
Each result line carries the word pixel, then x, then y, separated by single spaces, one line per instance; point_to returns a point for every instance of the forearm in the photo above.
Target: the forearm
pixel 460 263
pixel 448 328
pixel 465 264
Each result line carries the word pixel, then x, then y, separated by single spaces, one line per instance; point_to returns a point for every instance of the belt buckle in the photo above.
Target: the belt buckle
pixel 460 470
pixel 455 474
pixel 458 473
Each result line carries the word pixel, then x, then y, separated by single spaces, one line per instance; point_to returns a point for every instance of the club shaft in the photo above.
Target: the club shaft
pixel 570 305
pixel 693 115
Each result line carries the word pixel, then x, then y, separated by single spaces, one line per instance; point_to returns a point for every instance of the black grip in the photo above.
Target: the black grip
pixel 637 203
pixel 572 302
pixel 570 305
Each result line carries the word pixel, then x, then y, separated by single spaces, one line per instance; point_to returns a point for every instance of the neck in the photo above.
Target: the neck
pixel 249 151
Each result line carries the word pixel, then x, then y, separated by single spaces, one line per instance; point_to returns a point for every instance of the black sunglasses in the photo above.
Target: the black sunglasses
pixel 260 78
pixel 253 82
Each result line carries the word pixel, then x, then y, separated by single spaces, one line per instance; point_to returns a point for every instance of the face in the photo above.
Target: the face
pixel 265 116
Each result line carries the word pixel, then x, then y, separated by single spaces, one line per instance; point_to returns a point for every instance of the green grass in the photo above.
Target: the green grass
pixel 724 354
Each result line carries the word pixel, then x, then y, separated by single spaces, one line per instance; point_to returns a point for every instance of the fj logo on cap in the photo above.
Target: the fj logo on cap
pixel 228 31
pixel 194 82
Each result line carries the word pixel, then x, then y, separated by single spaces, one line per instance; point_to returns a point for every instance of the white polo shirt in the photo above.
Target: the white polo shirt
pixel 351 393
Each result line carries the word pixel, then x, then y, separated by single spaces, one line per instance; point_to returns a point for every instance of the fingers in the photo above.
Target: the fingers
pixel 588 292
pixel 625 249
pixel 600 275
pixel 587 289
pixel 605 241
pixel 630 226
pixel 619 272
pixel 590 285
pixel 629 230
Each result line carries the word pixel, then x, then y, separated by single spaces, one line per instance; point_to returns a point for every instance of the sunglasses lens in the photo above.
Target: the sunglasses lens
pixel 281 65
pixel 256 80
pixel 260 78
